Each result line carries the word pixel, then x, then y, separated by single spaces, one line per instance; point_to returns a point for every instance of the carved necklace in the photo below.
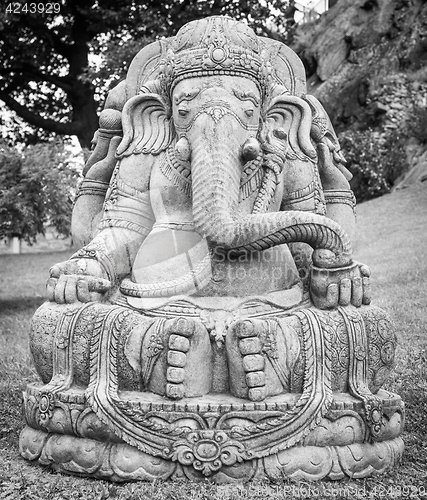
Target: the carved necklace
pixel 252 177
pixel 179 173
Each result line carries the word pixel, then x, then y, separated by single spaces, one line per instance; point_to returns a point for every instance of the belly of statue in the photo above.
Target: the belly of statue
pixel 174 259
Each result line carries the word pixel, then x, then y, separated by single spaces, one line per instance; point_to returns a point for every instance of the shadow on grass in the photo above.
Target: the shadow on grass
pixel 20 304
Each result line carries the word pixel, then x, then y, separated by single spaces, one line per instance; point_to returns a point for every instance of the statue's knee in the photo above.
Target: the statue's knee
pixel 381 338
pixel 42 330
pixel 374 330
pixel 46 324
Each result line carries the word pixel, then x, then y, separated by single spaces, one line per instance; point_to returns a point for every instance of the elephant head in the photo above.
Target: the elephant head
pixel 217 100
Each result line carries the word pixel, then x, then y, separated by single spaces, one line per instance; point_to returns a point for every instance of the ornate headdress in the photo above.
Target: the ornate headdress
pixel 214 46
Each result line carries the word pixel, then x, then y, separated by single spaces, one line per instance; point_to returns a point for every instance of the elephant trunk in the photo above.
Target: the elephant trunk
pixel 216 169
pixel 215 173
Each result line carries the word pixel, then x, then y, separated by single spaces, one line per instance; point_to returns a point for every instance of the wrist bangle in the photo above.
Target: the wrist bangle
pixel 97 251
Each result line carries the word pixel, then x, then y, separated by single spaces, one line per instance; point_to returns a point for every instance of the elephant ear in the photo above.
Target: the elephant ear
pixel 288 124
pixel 146 127
pixel 325 139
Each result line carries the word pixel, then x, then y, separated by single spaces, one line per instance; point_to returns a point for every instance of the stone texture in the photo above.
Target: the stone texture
pixel 214 317
pixel 354 46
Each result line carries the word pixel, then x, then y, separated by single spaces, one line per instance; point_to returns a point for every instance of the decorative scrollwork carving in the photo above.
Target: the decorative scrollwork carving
pixel 206 450
pixel 45 407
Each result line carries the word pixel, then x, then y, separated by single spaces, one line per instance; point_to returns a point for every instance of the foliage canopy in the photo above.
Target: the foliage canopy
pixel 49 77
pixel 36 189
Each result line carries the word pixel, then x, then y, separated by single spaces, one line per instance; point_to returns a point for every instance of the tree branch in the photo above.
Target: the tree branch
pixel 33 74
pixel 39 29
pixel 59 81
pixel 70 128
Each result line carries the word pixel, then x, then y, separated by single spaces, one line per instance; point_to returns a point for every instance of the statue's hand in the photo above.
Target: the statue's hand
pixel 77 280
pixel 331 162
pixel 333 173
pixel 340 287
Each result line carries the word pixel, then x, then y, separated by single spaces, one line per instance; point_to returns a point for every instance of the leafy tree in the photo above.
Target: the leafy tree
pixel 36 189
pixel 375 160
pixel 48 75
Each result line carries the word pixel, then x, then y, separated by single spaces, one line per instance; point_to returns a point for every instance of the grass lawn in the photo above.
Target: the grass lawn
pixel 392 236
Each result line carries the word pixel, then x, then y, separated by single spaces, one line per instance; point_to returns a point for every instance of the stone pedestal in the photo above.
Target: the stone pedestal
pixel 95 416
pixel 76 441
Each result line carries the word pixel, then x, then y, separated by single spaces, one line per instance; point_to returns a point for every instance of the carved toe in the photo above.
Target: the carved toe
pixel 188 360
pixel 246 361
pixel 181 326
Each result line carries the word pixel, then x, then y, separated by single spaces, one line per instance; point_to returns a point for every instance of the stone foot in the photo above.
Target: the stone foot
pixel 185 368
pixel 258 353
pixel 253 362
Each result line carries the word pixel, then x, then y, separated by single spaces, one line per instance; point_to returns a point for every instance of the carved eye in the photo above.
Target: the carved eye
pixel 183 112
pixel 249 112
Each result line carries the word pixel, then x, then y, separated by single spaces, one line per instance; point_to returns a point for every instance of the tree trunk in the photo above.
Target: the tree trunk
pixel 84 113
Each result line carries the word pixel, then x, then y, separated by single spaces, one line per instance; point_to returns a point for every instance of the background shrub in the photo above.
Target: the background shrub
pixel 37 189
pixel 375 160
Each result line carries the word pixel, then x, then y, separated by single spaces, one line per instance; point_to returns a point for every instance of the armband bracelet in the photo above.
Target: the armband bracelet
pixel 123 223
pixel 343 196
pixel 92 187
pixel 97 251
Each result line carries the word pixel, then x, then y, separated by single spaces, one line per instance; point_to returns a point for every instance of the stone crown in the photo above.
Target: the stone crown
pixel 216 45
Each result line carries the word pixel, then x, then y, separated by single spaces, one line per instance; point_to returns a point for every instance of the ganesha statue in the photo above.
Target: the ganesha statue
pixel 213 323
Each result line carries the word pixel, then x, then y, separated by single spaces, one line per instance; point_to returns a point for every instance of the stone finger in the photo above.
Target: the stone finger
pixel 332 295
pixel 95 297
pixel 365 271
pixel 59 294
pixel 112 148
pixel 50 288
pixel 70 291
pixel 357 292
pixel 345 292
pixel 55 271
pixel 329 143
pixel 325 157
pixel 71 267
pixel 366 291
pixel 98 284
pixel 339 160
pixel 82 288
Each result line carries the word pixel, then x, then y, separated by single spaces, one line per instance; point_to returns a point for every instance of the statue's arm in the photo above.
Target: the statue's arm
pixel 350 285
pixel 127 217
pixel 339 198
pixel 108 257
pixel 341 286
